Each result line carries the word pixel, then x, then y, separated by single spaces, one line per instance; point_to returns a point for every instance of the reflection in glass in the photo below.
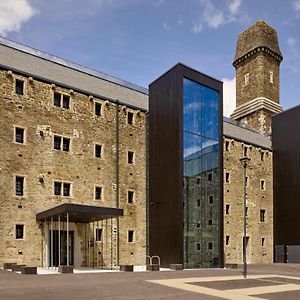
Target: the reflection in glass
pixel 201 175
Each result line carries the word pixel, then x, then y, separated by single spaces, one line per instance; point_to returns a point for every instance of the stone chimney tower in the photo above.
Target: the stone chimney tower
pixel 257 61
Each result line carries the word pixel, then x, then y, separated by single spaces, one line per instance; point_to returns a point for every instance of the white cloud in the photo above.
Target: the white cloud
pixel 292 41
pixel 296 5
pixel 13 13
pixel 234 6
pixel 166 26
pixel 211 16
pixel 229 96
pixel 197 28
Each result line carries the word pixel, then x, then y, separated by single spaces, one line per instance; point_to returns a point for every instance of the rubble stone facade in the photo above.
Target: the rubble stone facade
pixel 39 165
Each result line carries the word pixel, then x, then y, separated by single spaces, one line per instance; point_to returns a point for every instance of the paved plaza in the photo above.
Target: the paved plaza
pixel 280 281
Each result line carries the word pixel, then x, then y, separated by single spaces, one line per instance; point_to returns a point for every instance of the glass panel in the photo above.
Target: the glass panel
pixel 201 176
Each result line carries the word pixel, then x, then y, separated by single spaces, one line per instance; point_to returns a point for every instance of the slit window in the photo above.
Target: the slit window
pixel 19 135
pixel 227 177
pixel 98 234
pixel 227 239
pixel 209 176
pixel 262 215
pixel 245 151
pixel 98 150
pixel 210 222
pixel 227 209
pixel 19 231
pixel 198 225
pixel 227 146
pixel 210 246
pixel 130 118
pixel 98 193
pixel 211 199
pixel 130 196
pixel 198 202
pixel 130 236
pixel 262 156
pixel 263 242
pixel 262 184
pixel 19 87
pixel 271 77
pixel 247 78
pixel 130 157
pixel 98 107
pixel 198 246
pixel 19 186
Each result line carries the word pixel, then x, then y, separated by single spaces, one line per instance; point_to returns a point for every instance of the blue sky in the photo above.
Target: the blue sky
pixel 138 40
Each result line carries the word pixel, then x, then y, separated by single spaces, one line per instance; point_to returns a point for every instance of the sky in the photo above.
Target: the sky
pixel 138 40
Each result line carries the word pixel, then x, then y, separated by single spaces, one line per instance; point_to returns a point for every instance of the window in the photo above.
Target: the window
pixel 130 118
pixel 211 199
pixel 198 225
pixel 210 246
pixel 210 222
pixel 130 196
pixel 198 202
pixel 19 87
pixel 98 107
pixel 227 239
pixel 247 180
pixel 130 157
pixel 98 234
pixel 130 236
pixel 247 78
pixel 263 242
pixel 227 209
pixel 98 193
pixel 67 187
pixel 57 142
pixel 198 246
pixel 271 77
pixel 262 215
pixel 19 135
pixel 62 188
pixel 209 176
pixel 61 143
pixel 98 150
pixel 66 101
pixel 66 144
pixel 19 231
pixel 19 186
pixel 262 155
pixel 227 176
pixel 227 146
pixel 262 184
pixel 61 100
pixel 245 151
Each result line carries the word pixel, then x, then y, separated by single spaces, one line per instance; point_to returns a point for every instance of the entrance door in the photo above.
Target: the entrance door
pixel 63 248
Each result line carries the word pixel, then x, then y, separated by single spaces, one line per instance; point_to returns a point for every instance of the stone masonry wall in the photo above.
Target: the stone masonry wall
pixel 35 112
pixel 260 168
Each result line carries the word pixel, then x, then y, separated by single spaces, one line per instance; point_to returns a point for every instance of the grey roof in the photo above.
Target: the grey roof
pixel 23 59
pixel 245 133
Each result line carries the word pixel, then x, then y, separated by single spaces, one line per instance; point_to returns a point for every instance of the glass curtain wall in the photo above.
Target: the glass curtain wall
pixel 201 175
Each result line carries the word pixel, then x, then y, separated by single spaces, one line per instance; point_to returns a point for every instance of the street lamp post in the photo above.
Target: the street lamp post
pixel 245 161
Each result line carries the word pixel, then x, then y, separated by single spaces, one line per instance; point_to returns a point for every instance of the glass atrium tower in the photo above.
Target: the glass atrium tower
pixel 185 169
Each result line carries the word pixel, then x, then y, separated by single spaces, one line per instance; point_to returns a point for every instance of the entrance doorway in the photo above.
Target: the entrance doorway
pixel 53 259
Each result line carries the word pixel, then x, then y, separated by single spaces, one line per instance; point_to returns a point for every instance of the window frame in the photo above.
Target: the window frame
pixel 23 86
pixel 23 185
pixel 61 103
pixel 15 127
pixel 23 227
pixel 62 188
pixel 95 192
pixel 62 143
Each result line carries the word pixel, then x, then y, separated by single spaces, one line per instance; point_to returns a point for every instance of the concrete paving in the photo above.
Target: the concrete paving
pixel 280 281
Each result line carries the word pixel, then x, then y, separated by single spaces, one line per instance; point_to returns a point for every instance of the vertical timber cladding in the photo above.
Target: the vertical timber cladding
pixel 286 177
pixel 166 163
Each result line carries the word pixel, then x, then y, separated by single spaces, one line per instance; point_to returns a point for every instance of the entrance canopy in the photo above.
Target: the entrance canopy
pixel 79 213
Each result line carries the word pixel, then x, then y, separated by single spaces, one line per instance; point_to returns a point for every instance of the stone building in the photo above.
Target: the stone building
pixel 73 164
pixel 257 62
pixel 69 135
